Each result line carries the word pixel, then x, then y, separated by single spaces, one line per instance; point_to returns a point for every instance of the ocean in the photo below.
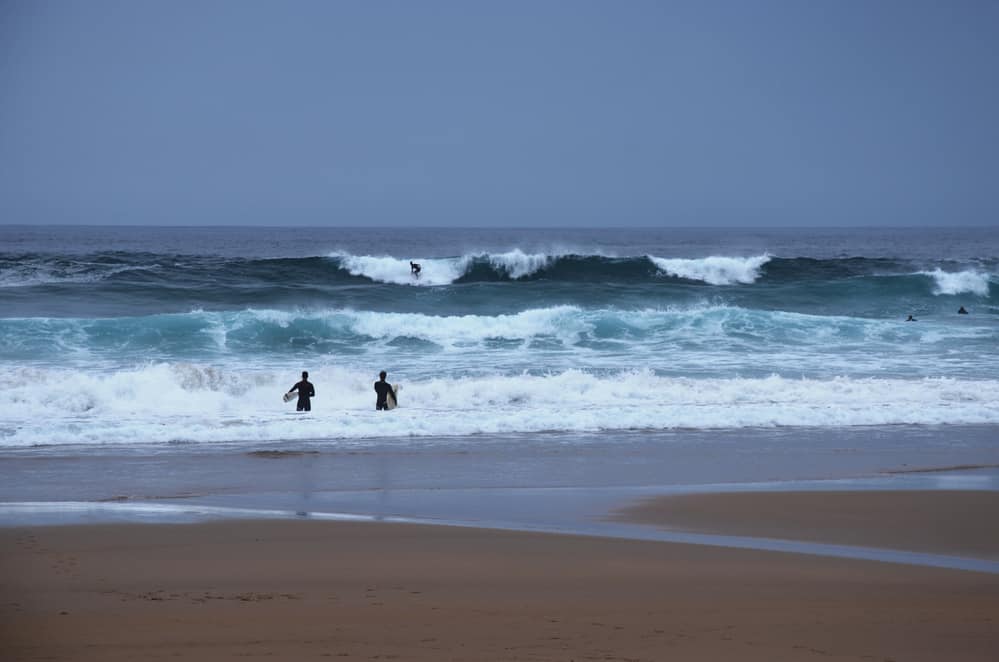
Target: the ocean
pixel 132 337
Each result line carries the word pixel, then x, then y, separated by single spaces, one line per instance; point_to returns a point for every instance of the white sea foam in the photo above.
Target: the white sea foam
pixel 714 270
pixel 723 332
pixel 564 322
pixel 441 271
pixel 385 269
pixel 184 402
pixel 961 282
pixel 568 324
pixel 518 264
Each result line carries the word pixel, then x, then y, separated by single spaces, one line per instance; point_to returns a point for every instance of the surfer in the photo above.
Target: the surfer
pixel 962 311
pixel 414 269
pixel 305 391
pixel 382 388
pixel 910 318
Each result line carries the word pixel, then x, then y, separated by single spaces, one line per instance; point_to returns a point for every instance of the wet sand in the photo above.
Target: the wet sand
pixel 297 590
pixel 959 523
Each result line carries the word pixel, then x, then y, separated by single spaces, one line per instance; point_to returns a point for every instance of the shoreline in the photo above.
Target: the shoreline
pixel 599 460
pixel 512 484
pixel 528 557
pixel 849 519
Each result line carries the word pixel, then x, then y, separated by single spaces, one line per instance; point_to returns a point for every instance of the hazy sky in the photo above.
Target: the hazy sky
pixel 746 112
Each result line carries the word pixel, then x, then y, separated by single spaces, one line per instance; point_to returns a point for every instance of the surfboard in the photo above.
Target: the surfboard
pixel 288 397
pixel 392 398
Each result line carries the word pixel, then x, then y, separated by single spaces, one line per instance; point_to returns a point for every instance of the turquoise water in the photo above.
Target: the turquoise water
pixel 167 335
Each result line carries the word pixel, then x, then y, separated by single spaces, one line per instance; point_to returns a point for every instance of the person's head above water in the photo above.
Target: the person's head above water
pixel 305 374
pixel 383 374
pixel 962 311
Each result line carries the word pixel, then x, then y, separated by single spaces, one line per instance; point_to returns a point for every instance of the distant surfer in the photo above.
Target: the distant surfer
pixel 962 311
pixel 414 269
pixel 910 318
pixel 383 389
pixel 305 391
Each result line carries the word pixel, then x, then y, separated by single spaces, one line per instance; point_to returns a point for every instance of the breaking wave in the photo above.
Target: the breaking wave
pixel 189 402
pixel 961 282
pixel 200 334
pixel 212 276
pixel 714 270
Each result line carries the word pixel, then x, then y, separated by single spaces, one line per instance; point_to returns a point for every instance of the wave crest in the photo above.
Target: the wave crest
pixel 961 282
pixel 271 332
pixel 513 264
pixel 714 270
pixel 518 265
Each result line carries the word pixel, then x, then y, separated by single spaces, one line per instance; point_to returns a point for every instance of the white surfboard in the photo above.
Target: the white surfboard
pixel 288 397
pixel 392 397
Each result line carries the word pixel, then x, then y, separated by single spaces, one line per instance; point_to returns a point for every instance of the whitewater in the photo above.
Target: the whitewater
pixel 126 337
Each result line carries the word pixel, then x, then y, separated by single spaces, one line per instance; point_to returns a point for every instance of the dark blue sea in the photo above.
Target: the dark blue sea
pixel 129 335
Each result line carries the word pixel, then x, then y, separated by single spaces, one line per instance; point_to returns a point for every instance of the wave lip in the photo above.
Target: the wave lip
pixel 565 322
pixel 961 282
pixel 517 264
pixel 514 265
pixel 714 270
pixel 182 276
pixel 387 269
pixel 270 332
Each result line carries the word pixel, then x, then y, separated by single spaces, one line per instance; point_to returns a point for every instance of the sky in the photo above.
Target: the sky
pixel 505 113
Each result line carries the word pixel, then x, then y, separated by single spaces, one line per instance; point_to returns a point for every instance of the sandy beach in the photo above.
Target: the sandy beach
pixel 317 590
pixel 113 577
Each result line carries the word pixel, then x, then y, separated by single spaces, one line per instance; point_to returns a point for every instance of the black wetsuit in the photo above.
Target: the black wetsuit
pixel 382 388
pixel 305 391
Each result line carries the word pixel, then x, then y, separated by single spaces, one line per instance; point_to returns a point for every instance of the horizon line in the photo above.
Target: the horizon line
pixel 501 227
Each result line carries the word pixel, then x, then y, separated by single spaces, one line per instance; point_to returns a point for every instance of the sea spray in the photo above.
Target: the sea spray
pixel 205 404
pixel 714 270
pixel 961 282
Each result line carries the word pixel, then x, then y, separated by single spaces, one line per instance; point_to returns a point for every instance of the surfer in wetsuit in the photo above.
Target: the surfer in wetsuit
pixel 962 311
pixel 414 269
pixel 305 391
pixel 382 388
